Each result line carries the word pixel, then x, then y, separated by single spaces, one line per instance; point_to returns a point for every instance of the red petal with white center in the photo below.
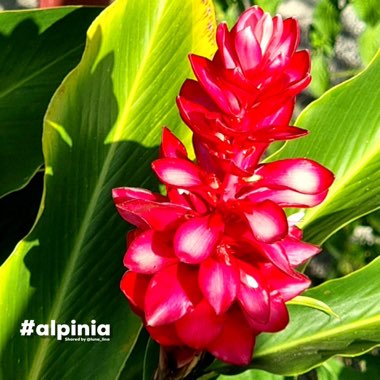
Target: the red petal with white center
pixel 219 281
pixel 225 46
pixel 295 232
pixel 298 69
pixel 264 31
pixel 285 197
pixel 195 240
pixel 196 99
pixel 288 285
pixel 205 157
pixel 247 159
pixel 165 335
pixel 200 327
pixel 134 287
pixel 271 114
pixel 178 172
pixel 267 221
pixel 302 175
pixel 211 83
pixel 171 146
pixel 123 194
pixel 205 124
pixel 253 294
pixel 277 255
pixel 235 344
pixel 149 253
pixel 170 295
pixel 148 214
pixel 249 18
pixel 276 133
pixel 278 320
pixel 290 38
pixel 248 49
pixel 279 116
pixel 132 235
pixel 188 199
pixel 298 251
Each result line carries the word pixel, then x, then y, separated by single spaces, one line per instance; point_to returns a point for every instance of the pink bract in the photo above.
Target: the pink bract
pixel 212 263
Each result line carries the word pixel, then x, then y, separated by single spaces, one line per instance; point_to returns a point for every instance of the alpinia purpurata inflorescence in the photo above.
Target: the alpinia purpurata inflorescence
pixel 211 264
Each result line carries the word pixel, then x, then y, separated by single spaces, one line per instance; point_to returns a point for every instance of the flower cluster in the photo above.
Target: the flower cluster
pixel 211 263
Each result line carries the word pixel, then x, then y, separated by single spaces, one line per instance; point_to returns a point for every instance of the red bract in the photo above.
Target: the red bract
pixel 247 92
pixel 205 267
pixel 211 263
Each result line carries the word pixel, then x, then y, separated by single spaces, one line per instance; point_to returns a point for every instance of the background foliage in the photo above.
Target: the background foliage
pixel 101 131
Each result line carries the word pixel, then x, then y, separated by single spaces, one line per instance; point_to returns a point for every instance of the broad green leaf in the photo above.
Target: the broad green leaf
pixel 344 127
pixel 369 43
pixel 37 50
pixel 313 337
pixel 101 131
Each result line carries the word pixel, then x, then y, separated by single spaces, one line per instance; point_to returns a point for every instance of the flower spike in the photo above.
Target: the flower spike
pixel 212 262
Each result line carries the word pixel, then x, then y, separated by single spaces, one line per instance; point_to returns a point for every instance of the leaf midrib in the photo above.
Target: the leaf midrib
pixel 331 333
pixel 42 349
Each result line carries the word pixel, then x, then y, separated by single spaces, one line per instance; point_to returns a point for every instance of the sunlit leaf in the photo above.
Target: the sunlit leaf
pixel 101 131
pixel 314 304
pixel 369 43
pixel 344 127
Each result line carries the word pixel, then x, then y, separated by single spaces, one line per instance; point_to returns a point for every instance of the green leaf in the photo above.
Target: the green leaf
pixel 134 366
pixel 367 10
pixel 101 131
pixel 252 374
pixel 369 43
pixel 325 26
pixel 344 127
pixel 365 368
pixel 268 5
pixel 37 50
pixel 330 370
pixel 320 74
pixel 314 304
pixel 151 358
pixel 312 337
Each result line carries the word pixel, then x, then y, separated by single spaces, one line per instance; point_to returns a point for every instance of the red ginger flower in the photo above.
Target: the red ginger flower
pixel 210 268
pixel 211 264
pixel 246 94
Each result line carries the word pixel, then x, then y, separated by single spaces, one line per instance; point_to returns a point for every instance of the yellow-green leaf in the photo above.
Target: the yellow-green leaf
pixel 101 131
